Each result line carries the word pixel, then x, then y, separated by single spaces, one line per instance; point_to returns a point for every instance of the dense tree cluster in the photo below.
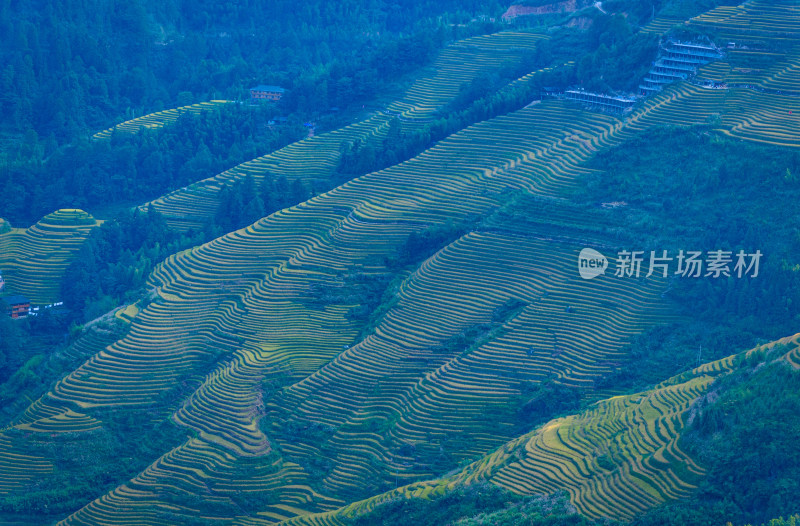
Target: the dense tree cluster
pixel 747 437
pixel 101 175
pixel 69 70
pixel 11 342
pixel 621 58
pixel 116 259
pixel 694 189
pixel 483 98
pixel 475 505
pixel 243 202
pixel 642 11
pixel 158 55
pixel 72 67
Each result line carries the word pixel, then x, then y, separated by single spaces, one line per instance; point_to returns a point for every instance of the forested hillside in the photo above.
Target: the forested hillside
pixel 79 66
pixel 71 69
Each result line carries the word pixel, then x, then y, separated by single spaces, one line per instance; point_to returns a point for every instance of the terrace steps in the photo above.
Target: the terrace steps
pixel 33 259
pixel 157 119
pixel 278 383
pixel 615 459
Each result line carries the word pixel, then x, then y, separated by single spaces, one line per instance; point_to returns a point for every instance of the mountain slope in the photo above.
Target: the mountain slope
pixel 616 459
pixel 383 333
pixel 315 159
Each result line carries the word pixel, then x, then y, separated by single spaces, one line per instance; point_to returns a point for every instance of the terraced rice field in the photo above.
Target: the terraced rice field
pixel 158 119
pixel 661 24
pixel 616 459
pixel 758 19
pixel 459 64
pixel 423 393
pixel 766 52
pixel 17 466
pixel 33 259
pixel 285 395
pixel 315 158
pixel 771 118
pixel 376 404
pixel 246 296
pixel 742 113
pixel 773 72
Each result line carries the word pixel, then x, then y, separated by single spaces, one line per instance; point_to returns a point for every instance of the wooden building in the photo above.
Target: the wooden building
pixel 677 61
pixel 268 93
pixel 601 101
pixel 16 306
